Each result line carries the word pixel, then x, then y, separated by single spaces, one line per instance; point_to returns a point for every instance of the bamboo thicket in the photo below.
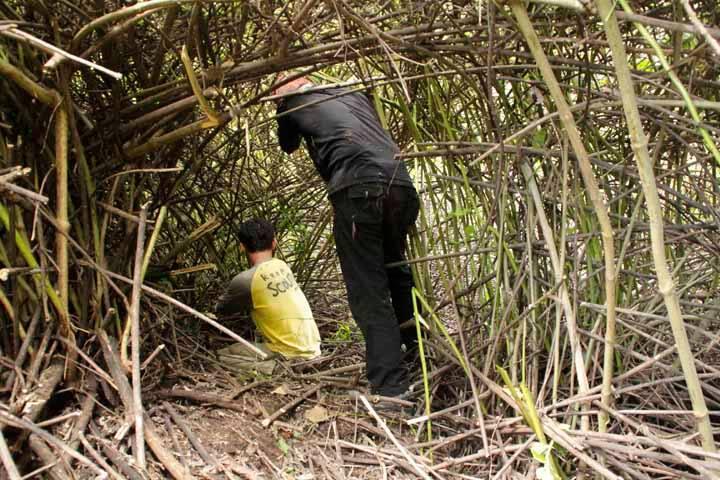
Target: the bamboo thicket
pixel 566 256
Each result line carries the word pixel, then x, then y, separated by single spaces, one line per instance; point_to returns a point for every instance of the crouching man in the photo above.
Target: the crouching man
pixel 276 304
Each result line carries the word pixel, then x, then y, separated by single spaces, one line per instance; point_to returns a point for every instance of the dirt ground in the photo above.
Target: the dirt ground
pixel 328 434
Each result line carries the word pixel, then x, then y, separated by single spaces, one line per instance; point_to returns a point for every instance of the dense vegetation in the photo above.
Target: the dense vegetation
pixel 568 248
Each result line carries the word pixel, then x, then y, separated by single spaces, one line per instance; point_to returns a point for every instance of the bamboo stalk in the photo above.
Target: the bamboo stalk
pixel 45 95
pixel 580 369
pixel 56 468
pixel 121 14
pixel 135 342
pixel 593 190
pixel 117 458
pixel 701 29
pixel 213 118
pixel 666 24
pixel 63 229
pixel 31 427
pixel 7 460
pixel 194 440
pixel 166 139
pixel 125 391
pixel 665 282
pixel 50 48
pixel 163 43
pixel 98 458
pixel 689 103
pixel 421 472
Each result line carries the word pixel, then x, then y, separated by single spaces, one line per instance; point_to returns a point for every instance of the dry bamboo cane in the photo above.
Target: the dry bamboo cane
pixel 121 14
pixel 63 227
pixel 25 424
pixel 45 95
pixel 54 99
pixel 557 267
pixel 647 177
pixel 7 460
pixel 702 29
pixel 135 341
pixel 601 210
pixel 421 472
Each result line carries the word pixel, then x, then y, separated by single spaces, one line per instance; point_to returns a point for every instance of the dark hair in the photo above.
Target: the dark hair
pixel 256 235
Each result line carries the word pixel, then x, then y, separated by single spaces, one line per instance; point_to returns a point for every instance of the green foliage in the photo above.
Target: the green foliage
pixel 346 332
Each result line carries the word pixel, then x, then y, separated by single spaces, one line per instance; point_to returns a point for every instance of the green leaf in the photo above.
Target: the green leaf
pixel 540 451
pixel 539 138
pixel 645 65
pixel 545 473
pixel 283 446
pixel 459 212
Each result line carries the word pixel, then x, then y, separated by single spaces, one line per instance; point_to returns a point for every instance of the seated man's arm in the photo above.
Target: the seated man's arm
pixel 238 296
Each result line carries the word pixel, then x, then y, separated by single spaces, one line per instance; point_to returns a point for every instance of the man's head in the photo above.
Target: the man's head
pixel 257 235
pixel 291 86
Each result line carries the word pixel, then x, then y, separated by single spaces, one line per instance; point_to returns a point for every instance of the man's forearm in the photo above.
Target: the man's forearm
pixel 229 304
pixel 288 136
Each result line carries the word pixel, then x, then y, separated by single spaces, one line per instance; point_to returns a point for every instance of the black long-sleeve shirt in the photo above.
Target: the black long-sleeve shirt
pixel 343 136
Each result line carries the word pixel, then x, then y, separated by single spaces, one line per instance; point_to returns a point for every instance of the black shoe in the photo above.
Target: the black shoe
pixel 384 404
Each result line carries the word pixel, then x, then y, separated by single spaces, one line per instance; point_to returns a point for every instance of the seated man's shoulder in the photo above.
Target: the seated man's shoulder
pixel 245 277
pixel 247 273
pixel 237 297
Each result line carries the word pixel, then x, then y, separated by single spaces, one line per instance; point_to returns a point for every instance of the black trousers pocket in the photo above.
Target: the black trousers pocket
pixel 366 202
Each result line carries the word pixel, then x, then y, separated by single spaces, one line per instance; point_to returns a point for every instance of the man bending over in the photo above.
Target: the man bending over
pixel 375 205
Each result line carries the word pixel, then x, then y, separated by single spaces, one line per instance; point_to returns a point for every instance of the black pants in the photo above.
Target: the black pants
pixel 371 222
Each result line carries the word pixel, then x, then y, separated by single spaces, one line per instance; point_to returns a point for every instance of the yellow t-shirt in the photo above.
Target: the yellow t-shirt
pixel 277 306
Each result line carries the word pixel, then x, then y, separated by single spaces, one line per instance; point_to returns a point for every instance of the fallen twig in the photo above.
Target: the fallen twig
pixel 200 397
pixel 115 456
pixel 30 426
pixel 290 405
pixel 97 457
pixel 194 440
pixel 152 438
pixel 7 460
pixel 420 471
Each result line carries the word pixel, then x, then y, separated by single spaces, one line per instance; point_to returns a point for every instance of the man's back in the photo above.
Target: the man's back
pixel 277 306
pixel 344 138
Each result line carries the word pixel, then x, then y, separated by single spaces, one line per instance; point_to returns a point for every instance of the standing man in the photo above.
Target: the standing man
pixel 269 292
pixel 374 203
